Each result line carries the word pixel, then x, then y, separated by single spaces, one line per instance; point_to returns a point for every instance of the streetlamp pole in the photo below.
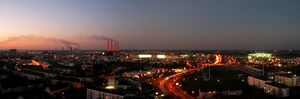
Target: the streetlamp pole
pixel 263 71
pixel 209 72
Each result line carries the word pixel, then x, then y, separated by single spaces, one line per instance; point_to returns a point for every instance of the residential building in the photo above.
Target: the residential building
pixel 277 90
pixel 286 79
pixel 96 94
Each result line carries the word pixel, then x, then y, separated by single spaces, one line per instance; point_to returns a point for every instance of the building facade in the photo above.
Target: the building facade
pixel 288 80
pixel 95 94
pixel 255 82
pixel 276 90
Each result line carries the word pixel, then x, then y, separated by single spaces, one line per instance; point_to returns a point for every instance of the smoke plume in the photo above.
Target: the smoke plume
pixel 32 37
pixel 95 37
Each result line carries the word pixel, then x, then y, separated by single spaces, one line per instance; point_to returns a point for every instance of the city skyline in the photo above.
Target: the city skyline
pixel 200 25
pixel 149 49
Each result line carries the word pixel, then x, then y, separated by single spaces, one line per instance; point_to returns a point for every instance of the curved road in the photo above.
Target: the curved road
pixel 168 86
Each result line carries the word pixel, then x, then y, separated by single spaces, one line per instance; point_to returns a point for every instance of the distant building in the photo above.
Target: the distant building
pixel 276 90
pixel 95 94
pixel 259 58
pixel 211 94
pixel 29 75
pixel 13 50
pixel 123 83
pixel 286 79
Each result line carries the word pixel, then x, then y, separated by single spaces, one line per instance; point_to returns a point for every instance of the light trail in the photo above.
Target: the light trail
pixel 218 59
pixel 168 85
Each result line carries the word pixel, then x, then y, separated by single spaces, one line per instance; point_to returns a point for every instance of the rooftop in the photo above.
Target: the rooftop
pixel 287 75
pixel 277 85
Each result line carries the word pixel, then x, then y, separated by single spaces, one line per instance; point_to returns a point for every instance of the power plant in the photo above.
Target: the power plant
pixel 112 46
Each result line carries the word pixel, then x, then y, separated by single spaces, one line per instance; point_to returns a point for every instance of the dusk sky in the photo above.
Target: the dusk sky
pixel 151 24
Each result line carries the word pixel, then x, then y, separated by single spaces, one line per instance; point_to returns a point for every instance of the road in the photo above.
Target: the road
pixel 168 85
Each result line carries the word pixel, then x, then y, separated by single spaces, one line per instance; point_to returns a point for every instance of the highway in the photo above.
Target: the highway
pixel 168 85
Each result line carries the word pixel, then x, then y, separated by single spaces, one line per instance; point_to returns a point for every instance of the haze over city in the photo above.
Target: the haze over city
pixel 149 49
pixel 151 24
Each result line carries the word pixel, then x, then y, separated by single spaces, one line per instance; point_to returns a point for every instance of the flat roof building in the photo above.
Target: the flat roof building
pixel 290 80
pixel 277 90
pixel 96 94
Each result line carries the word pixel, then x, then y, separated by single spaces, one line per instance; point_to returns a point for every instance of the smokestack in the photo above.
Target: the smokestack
pixel 118 48
pixel 107 45
pixel 111 45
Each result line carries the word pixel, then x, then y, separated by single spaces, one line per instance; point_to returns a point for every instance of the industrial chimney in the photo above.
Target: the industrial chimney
pixel 118 48
pixel 112 45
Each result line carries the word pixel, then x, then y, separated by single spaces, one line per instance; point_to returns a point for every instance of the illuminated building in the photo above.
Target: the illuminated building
pixel 259 57
pixel 95 94
pixel 273 89
pixel 184 56
pixel 145 56
pixel 277 90
pixel 161 56
pixel 256 82
pixel 288 80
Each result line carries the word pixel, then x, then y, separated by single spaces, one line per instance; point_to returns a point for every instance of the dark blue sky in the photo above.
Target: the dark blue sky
pixel 159 24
